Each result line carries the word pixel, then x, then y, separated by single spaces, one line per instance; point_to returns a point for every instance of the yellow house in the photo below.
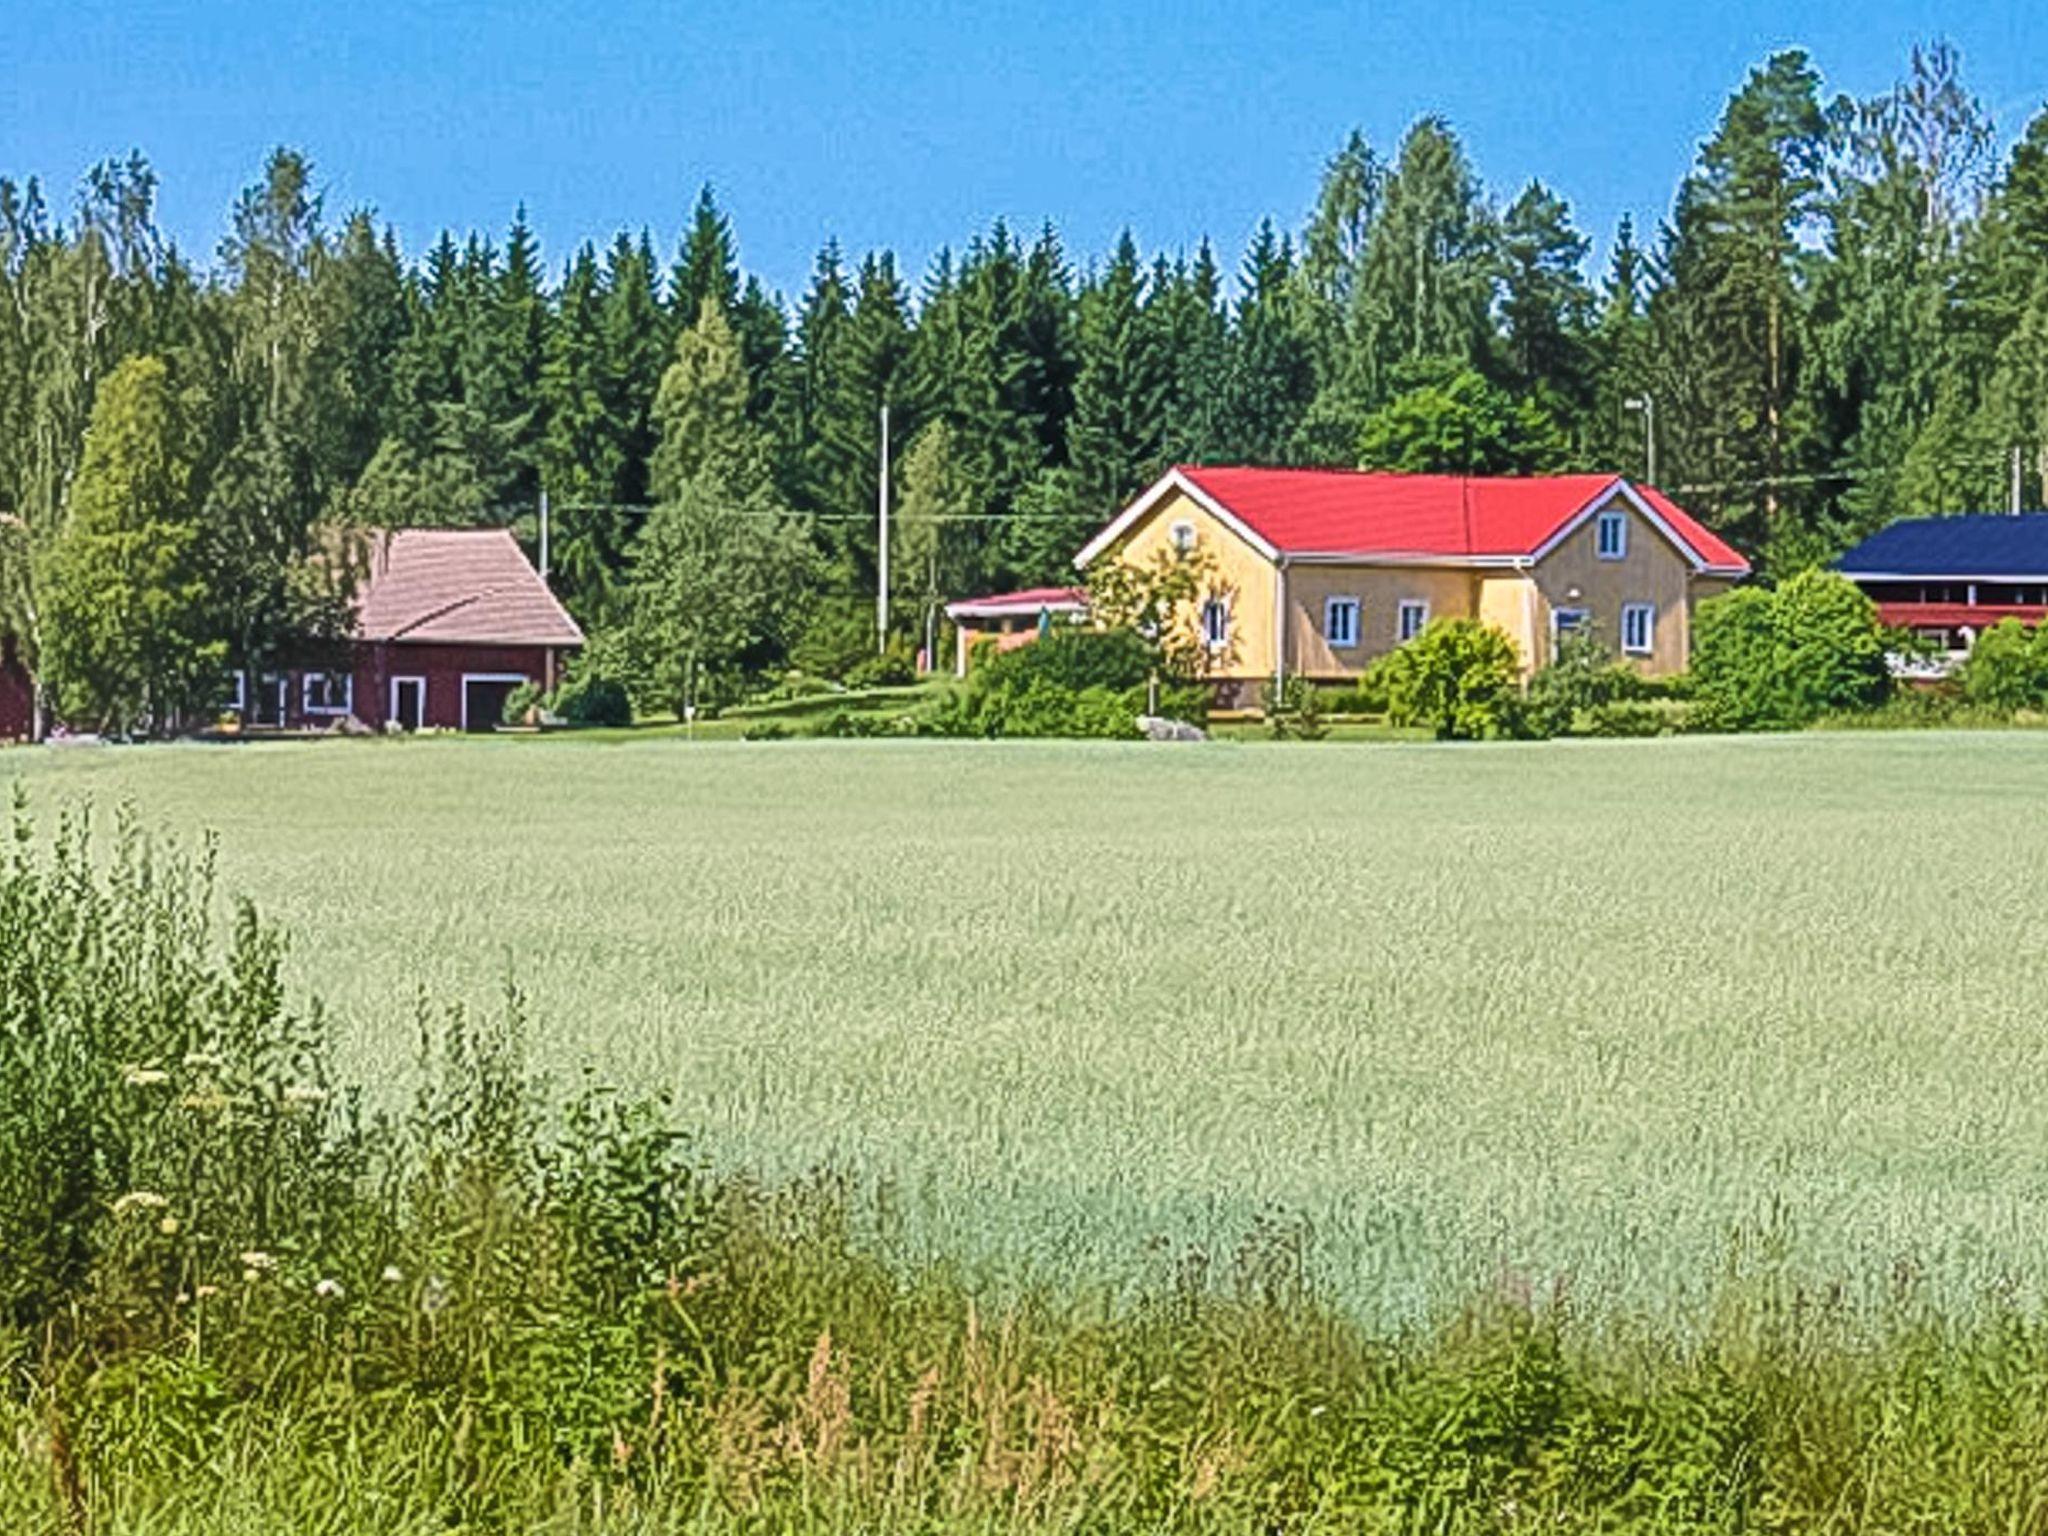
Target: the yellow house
pixel 1317 572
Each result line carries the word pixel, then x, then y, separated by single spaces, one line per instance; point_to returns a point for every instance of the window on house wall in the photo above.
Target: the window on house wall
pixel 1340 622
pixel 1612 534
pixel 1183 536
pixel 1413 618
pixel 235 695
pixel 1638 628
pixel 327 693
pixel 1565 621
pixel 1216 623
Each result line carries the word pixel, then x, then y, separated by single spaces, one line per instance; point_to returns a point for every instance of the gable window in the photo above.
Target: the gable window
pixel 1413 618
pixel 1216 623
pixel 327 693
pixel 1183 536
pixel 1638 628
pixel 1611 532
pixel 1340 622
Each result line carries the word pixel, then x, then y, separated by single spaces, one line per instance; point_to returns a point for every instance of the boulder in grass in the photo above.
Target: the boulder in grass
pixel 1159 728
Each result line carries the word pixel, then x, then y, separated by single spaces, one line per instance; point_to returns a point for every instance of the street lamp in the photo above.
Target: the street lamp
pixel 1647 404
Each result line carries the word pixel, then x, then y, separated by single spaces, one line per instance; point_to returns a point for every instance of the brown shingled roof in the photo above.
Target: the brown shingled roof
pixel 457 587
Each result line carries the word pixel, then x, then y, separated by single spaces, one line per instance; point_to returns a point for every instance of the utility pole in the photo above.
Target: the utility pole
pixel 882 541
pixel 543 533
pixel 1647 404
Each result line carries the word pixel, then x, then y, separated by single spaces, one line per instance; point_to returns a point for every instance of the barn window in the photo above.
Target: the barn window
pixel 1414 618
pixel 327 693
pixel 1638 627
pixel 1613 535
pixel 1340 622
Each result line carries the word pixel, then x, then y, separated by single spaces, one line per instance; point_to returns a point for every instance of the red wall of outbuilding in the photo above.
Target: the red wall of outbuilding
pixel 17 695
pixel 443 667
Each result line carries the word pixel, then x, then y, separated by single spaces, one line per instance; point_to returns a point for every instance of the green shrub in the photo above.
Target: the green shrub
pixel 592 698
pixel 1584 679
pixel 1781 659
pixel 2008 668
pixel 892 667
pixel 1460 678
pixel 1072 682
pixel 521 703
pixel 1294 711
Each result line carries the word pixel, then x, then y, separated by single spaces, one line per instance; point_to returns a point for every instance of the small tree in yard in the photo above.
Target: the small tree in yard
pixel 1162 601
pixel 717 585
pixel 1459 677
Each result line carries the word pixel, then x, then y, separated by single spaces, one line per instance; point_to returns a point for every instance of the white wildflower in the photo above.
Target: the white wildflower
pixel 393 1275
pixel 203 1060
pixel 304 1093
pixel 144 1077
pixel 168 1226
pixel 257 1259
pixel 435 1296
pixel 140 1200
pixel 204 1291
pixel 327 1288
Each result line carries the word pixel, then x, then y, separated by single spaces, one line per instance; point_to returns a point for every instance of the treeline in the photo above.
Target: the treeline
pixel 1841 320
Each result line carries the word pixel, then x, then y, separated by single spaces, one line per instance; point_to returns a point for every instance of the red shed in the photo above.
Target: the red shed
pixel 448 622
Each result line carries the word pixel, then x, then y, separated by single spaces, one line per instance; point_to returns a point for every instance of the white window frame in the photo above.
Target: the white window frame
pixel 1558 628
pixel 348 694
pixel 1618 521
pixel 1184 536
pixel 1216 636
pixel 237 703
pixel 1332 606
pixel 1648 613
pixel 391 714
pixel 1411 618
pixel 514 678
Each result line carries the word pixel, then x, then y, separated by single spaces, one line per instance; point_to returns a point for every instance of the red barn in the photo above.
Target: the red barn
pixel 448 622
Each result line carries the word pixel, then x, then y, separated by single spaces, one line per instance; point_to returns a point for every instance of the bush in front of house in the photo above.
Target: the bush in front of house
pixel 1583 690
pixel 1072 682
pixel 591 698
pixel 520 704
pixel 1779 660
pixel 2008 668
pixel 1459 677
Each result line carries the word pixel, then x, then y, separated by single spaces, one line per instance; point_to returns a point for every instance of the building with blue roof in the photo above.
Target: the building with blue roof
pixel 1947 579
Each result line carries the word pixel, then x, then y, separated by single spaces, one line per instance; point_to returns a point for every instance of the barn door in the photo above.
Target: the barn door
pixel 408 702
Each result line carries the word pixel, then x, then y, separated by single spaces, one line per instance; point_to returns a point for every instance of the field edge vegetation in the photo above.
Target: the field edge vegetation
pixel 235 1299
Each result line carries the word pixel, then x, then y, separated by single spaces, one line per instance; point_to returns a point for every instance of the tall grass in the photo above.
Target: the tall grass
pixel 239 1300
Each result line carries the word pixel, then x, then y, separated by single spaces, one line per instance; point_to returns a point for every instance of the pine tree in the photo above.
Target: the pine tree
pixel 1270 377
pixel 1545 305
pixel 1728 319
pixel 707 267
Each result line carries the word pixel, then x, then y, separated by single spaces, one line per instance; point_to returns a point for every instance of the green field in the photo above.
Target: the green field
pixel 1624 1013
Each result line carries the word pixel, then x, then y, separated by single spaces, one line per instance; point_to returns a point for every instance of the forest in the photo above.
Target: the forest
pixel 1838 320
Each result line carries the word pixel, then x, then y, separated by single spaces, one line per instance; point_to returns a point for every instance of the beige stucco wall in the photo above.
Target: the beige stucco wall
pixel 1380 590
pixel 1244 579
pixel 1653 571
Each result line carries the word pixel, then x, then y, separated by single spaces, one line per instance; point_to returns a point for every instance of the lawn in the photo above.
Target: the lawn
pixel 1619 1013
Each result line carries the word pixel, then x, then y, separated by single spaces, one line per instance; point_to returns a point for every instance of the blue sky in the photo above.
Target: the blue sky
pixel 913 124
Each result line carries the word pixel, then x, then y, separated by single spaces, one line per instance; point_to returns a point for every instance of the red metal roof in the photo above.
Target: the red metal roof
pixel 1376 514
pixel 466 586
pixel 1030 600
